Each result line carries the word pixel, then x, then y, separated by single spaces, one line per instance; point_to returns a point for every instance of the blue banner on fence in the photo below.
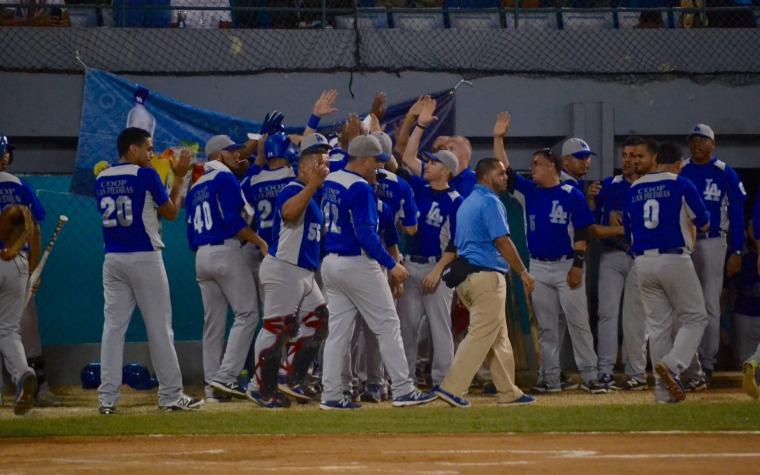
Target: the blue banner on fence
pixel 112 103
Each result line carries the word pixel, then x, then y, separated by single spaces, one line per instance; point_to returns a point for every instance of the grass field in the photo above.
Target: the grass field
pixel 725 408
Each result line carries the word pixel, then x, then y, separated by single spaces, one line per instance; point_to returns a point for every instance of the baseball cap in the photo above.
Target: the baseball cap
pixel 217 143
pixel 367 146
pixel 385 141
pixel 577 148
pixel 313 142
pixel 703 131
pixel 448 159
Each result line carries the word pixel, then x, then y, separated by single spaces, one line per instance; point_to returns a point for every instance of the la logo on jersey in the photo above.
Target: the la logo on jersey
pixel 712 192
pixel 558 215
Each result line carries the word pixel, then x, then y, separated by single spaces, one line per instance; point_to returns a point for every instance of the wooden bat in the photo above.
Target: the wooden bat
pixel 62 220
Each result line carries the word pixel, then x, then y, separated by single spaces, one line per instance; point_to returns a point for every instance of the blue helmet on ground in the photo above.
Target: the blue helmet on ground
pixel 137 376
pixel 90 376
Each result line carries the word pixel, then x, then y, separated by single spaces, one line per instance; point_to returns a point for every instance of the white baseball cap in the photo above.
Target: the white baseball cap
pixel 576 147
pixel 314 141
pixel 367 146
pixel 703 131
pixel 448 159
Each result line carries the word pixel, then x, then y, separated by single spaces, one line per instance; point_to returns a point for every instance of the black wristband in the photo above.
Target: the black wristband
pixel 420 126
pixel 578 258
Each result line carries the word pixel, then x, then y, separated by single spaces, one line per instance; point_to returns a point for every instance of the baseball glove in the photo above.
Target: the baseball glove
pixel 16 229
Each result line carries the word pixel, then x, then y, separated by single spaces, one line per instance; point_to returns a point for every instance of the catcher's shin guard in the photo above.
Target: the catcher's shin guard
pixel 268 364
pixel 304 349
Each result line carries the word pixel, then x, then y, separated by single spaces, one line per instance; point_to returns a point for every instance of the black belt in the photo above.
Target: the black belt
pixel 673 250
pixel 424 260
pixel 710 234
pixel 552 259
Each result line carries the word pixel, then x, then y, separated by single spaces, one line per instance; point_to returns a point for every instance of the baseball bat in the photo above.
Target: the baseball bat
pixel 62 220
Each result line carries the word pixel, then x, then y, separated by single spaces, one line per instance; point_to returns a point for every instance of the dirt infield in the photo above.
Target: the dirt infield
pixel 440 454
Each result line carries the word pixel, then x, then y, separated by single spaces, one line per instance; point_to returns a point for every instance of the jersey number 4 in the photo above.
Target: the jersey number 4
pixel 121 206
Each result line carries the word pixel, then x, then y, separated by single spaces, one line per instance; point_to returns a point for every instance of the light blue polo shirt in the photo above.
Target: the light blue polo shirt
pixel 481 219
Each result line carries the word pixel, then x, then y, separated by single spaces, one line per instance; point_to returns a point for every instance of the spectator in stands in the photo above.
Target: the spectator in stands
pixel 201 18
pixel 36 13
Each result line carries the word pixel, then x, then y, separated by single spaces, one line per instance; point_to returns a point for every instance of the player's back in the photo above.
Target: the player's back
pixel 128 197
pixel 338 192
pixel 13 191
pixel 261 191
pixel 211 222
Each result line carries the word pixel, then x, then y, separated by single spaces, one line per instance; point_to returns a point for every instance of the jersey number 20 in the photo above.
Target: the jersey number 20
pixel 122 205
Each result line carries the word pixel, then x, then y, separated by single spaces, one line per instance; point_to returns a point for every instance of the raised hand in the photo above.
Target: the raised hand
pixel 501 128
pixel 325 104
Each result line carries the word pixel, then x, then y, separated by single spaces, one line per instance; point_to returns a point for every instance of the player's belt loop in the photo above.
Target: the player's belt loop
pixel 424 260
pixel 710 234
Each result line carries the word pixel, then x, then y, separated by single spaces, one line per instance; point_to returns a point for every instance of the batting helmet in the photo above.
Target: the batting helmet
pixel 137 376
pixel 6 146
pixel 90 376
pixel 276 146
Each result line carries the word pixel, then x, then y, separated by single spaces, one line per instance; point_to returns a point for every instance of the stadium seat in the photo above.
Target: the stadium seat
pixel 532 20
pixel 369 18
pixel 572 20
pixel 418 21
pixel 479 20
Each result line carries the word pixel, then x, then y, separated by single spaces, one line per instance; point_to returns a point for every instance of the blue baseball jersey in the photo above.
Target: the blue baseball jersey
pixel 566 177
pixel 482 218
pixel 397 194
pixel 350 207
pixel 261 188
pixel 611 198
pixel 214 207
pixel 128 198
pixel 437 224
pixel 659 210
pixel 551 216
pixel 723 194
pixel 14 191
pixel 387 224
pixel 337 160
pixel 298 242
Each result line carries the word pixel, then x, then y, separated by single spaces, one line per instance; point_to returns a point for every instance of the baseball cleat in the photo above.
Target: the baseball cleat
pixel 48 400
pixel 415 398
pixel 694 385
pixel 523 400
pixel 343 404
pixel 609 382
pixel 107 408
pixel 25 389
pixel 672 381
pixel 544 388
pixel 566 382
pixel 184 403
pixel 298 391
pixel 233 389
pixel 594 387
pixel 489 390
pixel 631 384
pixel 371 394
pixel 450 398
pixel 749 381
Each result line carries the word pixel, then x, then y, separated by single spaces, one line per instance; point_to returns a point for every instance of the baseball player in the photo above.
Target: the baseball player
pixel 29 326
pixel 294 311
pixel 657 217
pixel 131 198
pixel 724 196
pixel 557 220
pixel 355 280
pixel 428 252
pixel 17 228
pixel 607 200
pixel 576 160
pixel 217 229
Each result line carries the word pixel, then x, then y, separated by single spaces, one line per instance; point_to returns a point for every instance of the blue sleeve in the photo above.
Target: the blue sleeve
pixel 582 215
pixel 408 206
pixel 695 203
pixel 523 185
pixel 154 186
pixel 365 219
pixel 389 231
pixel 231 201
pixel 494 216
pixel 756 216
pixel 736 199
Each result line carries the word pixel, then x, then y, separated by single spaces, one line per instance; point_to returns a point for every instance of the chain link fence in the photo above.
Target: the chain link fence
pixel 639 39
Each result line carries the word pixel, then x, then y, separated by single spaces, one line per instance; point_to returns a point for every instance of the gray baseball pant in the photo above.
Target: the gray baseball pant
pixel 709 261
pixel 614 266
pixel 13 277
pixel 634 329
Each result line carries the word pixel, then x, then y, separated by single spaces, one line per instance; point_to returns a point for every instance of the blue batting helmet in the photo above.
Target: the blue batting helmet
pixel 6 146
pixel 137 376
pixel 277 146
pixel 90 376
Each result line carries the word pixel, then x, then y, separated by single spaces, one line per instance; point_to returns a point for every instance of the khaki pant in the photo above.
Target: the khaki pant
pixel 484 294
